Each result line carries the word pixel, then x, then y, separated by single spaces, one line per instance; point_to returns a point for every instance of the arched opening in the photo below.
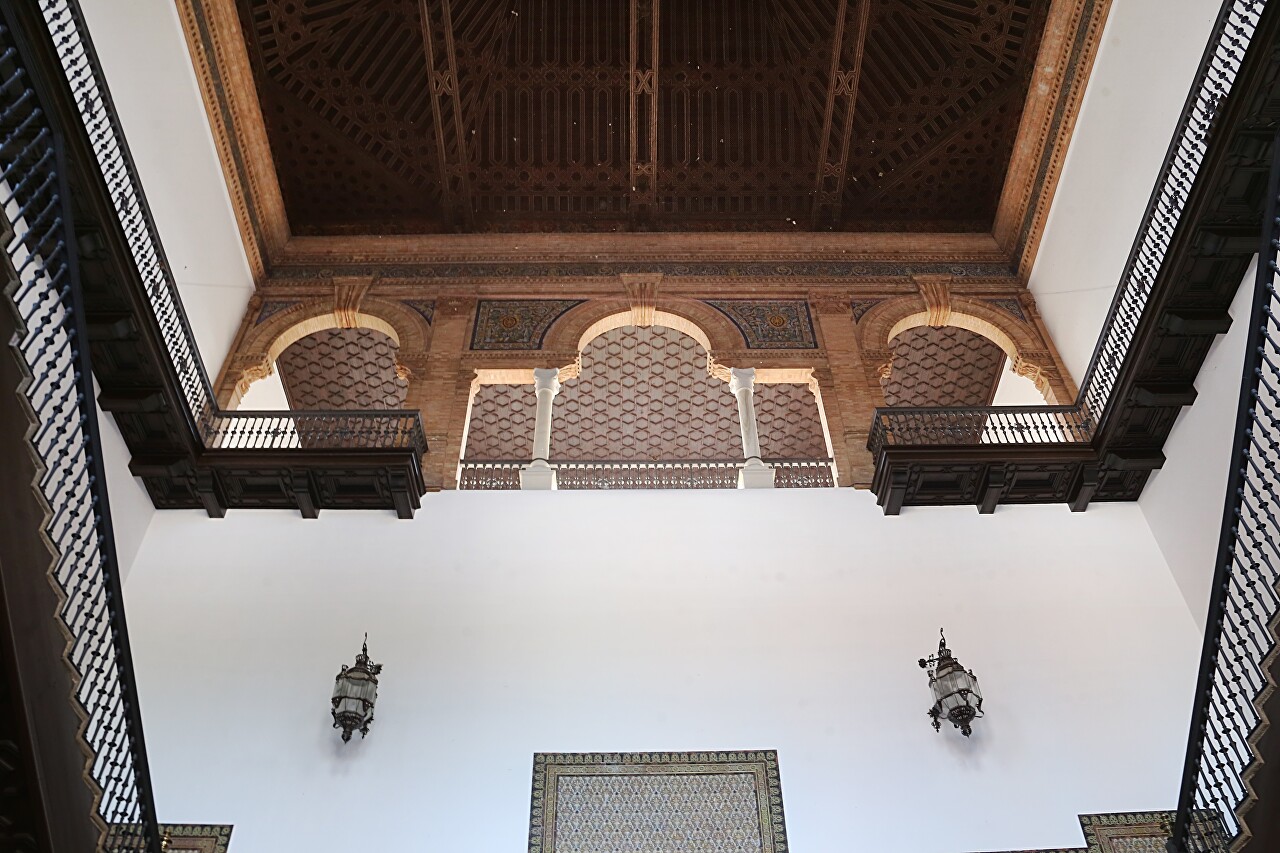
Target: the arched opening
pixel 642 402
pixel 968 362
pixel 319 364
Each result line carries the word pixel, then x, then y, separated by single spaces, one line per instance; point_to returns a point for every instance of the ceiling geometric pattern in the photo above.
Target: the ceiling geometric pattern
pixel 944 366
pixel 342 369
pixel 428 116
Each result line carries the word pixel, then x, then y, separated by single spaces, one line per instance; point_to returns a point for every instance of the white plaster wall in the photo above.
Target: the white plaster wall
pixel 131 509
pixel 1148 57
pixel 1183 501
pixel 511 623
pixel 148 69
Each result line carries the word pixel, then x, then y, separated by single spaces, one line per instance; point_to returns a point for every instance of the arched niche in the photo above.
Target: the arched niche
pixel 263 343
pixel 1019 341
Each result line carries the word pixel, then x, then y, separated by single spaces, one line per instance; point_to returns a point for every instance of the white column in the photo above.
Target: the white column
pixel 538 474
pixel 755 474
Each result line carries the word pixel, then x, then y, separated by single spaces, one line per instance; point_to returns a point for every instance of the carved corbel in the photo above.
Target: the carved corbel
pixel 348 293
pixel 879 365
pixel 642 290
pixel 251 373
pixel 716 370
pixel 408 366
pixel 572 370
pixel 1036 366
pixel 936 292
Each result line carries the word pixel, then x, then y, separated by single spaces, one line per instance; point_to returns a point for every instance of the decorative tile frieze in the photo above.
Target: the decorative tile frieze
pixel 1009 306
pixel 516 324
pixel 425 308
pixel 694 802
pixel 770 323
pixel 272 307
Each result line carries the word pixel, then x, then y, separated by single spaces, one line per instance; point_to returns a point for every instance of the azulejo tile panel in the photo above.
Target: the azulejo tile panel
pixel 426 308
pixel 770 323
pixel 272 307
pixel 657 802
pixel 516 324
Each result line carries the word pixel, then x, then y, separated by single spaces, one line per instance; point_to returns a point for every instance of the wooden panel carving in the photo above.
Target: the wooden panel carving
pixel 428 116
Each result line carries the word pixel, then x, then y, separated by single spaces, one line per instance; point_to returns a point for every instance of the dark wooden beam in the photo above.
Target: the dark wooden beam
pixel 842 96
pixel 446 108
pixel 642 149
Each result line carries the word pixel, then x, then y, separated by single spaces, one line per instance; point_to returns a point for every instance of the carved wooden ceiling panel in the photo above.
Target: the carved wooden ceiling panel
pixel 426 116
pixel 342 369
pixel 943 366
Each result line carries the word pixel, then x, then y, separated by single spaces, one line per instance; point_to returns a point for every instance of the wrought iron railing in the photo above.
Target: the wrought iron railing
pixel 1223 56
pixel 1244 602
pixel 989 425
pixel 41 287
pixel 246 430
pixel 93 102
pixel 476 475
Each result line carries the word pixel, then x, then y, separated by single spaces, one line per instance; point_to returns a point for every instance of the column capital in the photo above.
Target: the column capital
pixel 742 378
pixel 546 379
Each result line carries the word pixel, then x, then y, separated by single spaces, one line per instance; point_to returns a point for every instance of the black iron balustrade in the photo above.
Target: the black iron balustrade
pixel 41 288
pixel 1244 601
pixel 988 425
pixel 250 430
pixel 625 474
pixel 1222 60
pixel 490 475
pixel 475 475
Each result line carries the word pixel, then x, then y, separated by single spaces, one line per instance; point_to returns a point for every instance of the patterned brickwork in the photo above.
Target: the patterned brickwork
pixel 943 366
pixel 645 394
pixel 501 425
pixel 342 369
pixel 789 424
pixel 706 802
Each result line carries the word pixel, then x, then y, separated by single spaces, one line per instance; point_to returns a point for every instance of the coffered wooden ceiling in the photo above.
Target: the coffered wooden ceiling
pixel 439 116
pixel 463 142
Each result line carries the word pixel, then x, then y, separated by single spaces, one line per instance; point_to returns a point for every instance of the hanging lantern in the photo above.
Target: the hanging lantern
pixel 354 691
pixel 956 696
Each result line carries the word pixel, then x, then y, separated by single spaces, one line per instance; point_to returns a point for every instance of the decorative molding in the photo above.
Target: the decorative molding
pixel 609 790
pixel 410 266
pixel 1073 33
pixel 770 323
pixel 516 324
